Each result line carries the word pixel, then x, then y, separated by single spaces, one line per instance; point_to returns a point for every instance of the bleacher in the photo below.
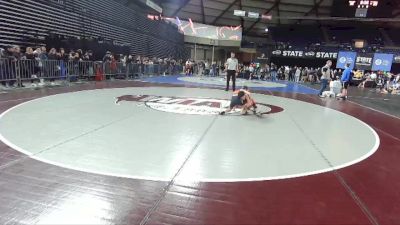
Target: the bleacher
pixel 348 34
pixel 299 36
pixel 394 35
pixel 29 22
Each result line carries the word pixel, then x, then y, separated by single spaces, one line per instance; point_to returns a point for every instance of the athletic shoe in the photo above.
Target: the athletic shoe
pixel 222 113
pixel 321 96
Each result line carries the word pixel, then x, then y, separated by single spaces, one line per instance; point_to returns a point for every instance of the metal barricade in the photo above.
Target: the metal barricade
pixel 156 69
pixel 28 70
pixel 111 70
pixel 72 69
pixel 23 71
pixel 86 70
pixel 99 71
pixel 51 70
pixel 8 71
pixel 133 70
pixel 120 71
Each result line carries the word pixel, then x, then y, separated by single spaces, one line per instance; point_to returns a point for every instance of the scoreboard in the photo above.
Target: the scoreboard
pixel 363 8
pixel 363 3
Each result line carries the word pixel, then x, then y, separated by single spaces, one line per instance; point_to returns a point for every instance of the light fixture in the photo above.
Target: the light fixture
pixel 266 29
pixel 254 15
pixel 239 13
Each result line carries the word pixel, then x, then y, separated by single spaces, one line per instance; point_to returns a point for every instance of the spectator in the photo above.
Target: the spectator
pixel 28 66
pixel 29 55
pixel 297 74
pixel 326 75
pixel 207 68
pixel 292 72
pixel 88 56
pixel 107 57
pixel 304 75
pixel 217 68
pixel 43 53
pixel 273 71
pixel 3 66
pixel 9 70
pixel 346 78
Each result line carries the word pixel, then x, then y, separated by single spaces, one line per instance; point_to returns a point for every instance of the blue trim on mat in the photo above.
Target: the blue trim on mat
pixel 290 88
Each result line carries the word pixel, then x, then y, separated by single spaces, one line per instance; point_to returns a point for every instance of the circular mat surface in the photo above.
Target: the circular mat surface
pixel 152 133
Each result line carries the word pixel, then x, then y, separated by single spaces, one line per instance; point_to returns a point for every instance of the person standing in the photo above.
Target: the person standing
pixel 326 75
pixel 346 78
pixel 273 72
pixel 297 74
pixel 292 71
pixel 232 67
pixel 207 68
pixel 217 67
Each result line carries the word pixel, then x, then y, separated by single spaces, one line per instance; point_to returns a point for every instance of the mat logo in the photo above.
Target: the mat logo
pixel 193 106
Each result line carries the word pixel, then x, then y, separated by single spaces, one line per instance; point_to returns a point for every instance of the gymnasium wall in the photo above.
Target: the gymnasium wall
pixel 28 22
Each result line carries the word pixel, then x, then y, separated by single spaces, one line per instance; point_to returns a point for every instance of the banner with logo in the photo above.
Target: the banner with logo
pixel 305 54
pixel 364 61
pixel 344 58
pixel 382 62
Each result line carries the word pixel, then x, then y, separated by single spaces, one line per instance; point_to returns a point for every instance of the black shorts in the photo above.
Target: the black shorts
pixel 236 101
pixel 346 84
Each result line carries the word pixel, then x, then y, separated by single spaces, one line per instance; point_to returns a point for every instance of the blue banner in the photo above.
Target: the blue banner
pixel 344 58
pixel 382 62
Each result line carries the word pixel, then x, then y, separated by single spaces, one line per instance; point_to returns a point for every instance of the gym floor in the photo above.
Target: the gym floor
pixel 155 151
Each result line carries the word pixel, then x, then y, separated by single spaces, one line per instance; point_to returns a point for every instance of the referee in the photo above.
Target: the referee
pixel 232 67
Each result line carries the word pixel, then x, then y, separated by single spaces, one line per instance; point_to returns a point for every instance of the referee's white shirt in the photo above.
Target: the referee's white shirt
pixel 232 63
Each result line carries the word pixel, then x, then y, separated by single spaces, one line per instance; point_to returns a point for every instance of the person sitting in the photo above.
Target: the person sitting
pixel 362 84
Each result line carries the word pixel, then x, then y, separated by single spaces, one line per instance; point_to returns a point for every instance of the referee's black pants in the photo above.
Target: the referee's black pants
pixel 231 74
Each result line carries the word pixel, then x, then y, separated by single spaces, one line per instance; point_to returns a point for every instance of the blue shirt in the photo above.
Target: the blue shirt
pixel 346 76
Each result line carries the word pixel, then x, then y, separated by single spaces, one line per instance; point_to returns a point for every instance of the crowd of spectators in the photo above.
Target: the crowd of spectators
pixel 203 67
pixel 55 60
pixel 384 82
pixel 118 64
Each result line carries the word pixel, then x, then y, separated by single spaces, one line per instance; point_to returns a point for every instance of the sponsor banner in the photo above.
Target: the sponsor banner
pixel 305 54
pixel 326 55
pixel 344 58
pixel 364 61
pixel 382 62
